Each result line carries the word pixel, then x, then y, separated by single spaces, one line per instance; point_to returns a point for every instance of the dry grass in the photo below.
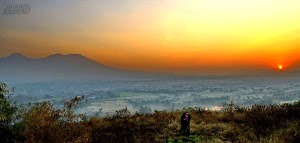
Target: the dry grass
pixel 259 123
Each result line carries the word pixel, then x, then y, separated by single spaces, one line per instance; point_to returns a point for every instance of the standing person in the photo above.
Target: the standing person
pixel 185 123
pixel 182 121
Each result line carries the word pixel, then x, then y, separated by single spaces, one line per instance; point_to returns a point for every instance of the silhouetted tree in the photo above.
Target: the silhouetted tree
pixel 6 115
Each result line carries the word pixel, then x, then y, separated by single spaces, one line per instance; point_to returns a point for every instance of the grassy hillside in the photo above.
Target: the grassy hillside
pixel 41 122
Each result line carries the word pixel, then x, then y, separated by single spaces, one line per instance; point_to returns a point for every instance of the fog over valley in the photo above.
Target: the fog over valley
pixel 102 98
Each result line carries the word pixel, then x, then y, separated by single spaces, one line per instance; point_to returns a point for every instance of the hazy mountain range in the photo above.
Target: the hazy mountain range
pixel 18 67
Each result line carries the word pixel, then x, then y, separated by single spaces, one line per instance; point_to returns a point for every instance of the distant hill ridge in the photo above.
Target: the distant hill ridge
pixel 18 67
pixel 59 67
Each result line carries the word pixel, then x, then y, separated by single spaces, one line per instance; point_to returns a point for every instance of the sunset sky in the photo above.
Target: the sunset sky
pixel 158 35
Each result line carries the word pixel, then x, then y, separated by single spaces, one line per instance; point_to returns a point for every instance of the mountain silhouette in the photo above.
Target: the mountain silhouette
pixel 18 67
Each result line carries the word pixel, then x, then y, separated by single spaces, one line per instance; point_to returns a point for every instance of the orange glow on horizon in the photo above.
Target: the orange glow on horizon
pixel 205 36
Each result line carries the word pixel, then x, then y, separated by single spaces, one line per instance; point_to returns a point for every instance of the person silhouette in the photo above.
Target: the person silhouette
pixel 185 123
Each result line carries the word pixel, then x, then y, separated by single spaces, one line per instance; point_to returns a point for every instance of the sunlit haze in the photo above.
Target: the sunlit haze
pixel 199 36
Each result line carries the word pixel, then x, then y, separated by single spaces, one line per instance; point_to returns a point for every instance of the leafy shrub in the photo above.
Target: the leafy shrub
pixel 7 112
pixel 43 123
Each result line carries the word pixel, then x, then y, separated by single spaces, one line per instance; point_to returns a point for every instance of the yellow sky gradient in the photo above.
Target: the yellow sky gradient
pixel 165 36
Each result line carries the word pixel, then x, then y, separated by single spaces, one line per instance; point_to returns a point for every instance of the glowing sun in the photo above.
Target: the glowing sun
pixel 280 67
